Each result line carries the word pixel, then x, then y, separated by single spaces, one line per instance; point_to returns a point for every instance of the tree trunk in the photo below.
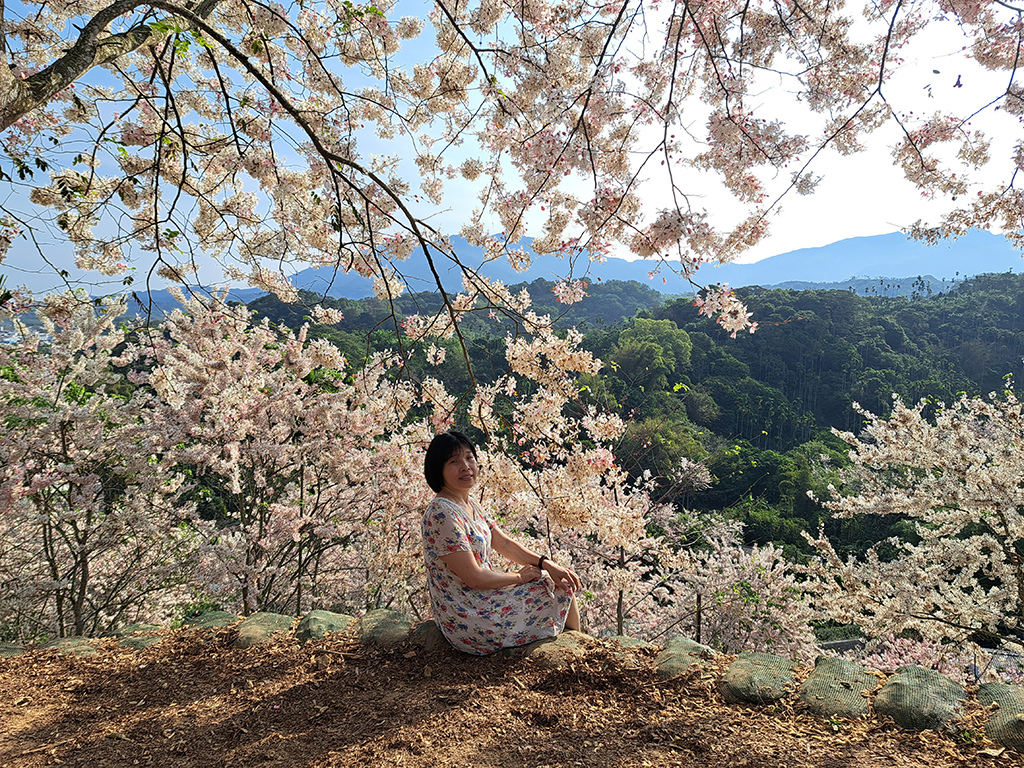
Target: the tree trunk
pixel 19 97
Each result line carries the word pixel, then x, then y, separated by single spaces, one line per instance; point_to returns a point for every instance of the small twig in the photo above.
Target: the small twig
pixel 45 747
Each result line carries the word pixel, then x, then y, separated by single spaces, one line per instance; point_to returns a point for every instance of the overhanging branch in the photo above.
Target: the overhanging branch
pixel 19 97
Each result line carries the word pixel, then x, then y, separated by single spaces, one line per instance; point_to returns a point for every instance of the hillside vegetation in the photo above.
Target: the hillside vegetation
pixel 221 460
pixel 757 409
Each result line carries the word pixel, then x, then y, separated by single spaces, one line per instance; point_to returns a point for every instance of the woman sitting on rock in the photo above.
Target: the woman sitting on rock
pixel 481 610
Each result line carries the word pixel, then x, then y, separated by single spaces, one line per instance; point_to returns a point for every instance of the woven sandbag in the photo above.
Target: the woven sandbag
pixel 758 678
pixel 836 688
pixel 316 625
pixel 679 655
pixel 262 628
pixel 921 699
pixel 1006 725
pixel 383 627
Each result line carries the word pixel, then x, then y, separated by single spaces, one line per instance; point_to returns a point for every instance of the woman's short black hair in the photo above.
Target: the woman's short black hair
pixel 442 448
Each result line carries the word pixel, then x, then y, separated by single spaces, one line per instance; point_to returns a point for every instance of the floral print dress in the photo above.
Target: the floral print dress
pixel 482 621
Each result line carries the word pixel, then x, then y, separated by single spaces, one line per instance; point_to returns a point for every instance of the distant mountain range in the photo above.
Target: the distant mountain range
pixel 880 256
pixel 884 264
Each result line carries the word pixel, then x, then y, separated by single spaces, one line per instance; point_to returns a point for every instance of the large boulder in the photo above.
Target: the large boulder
pixel 316 625
pixel 383 627
pixel 1006 725
pixel 680 654
pixel 758 678
pixel 262 628
pixel 73 646
pixel 837 688
pixel 921 699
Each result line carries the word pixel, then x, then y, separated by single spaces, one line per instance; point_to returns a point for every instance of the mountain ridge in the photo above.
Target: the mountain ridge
pixel 891 260
pixel 880 257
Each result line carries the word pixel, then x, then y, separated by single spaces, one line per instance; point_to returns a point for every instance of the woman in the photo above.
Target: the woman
pixel 481 610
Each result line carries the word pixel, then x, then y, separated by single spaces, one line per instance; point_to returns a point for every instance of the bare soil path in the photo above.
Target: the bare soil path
pixel 194 701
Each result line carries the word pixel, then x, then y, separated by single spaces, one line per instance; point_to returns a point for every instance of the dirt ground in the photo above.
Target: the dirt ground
pixel 195 701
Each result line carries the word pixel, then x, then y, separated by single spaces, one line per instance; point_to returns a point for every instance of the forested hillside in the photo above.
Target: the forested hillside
pixel 822 350
pixel 757 409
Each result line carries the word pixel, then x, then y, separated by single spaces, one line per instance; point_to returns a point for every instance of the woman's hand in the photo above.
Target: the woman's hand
pixel 564 578
pixel 530 573
pixel 464 565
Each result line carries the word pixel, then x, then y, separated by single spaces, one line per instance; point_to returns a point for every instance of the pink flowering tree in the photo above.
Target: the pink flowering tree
pixel 690 576
pixel 315 466
pixel 738 598
pixel 92 530
pixel 265 135
pixel 889 654
pixel 958 479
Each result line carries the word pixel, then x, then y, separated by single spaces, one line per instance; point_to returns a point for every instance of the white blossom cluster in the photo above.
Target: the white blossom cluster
pixel 721 301
pixel 959 478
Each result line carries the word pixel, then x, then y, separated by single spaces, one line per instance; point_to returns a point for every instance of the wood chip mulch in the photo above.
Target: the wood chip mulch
pixel 194 701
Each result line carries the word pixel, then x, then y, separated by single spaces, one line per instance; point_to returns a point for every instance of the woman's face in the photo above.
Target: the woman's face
pixel 460 471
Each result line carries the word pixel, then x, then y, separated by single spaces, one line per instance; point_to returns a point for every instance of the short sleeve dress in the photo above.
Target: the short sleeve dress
pixel 482 621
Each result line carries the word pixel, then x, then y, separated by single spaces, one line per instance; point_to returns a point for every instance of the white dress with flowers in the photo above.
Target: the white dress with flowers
pixel 482 621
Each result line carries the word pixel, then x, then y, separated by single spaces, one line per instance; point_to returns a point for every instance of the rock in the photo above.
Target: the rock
pixel 10 649
pixel 1006 725
pixel 679 655
pixel 73 646
pixel 262 628
pixel 135 637
pixel 836 688
pixel 383 627
pixel 209 620
pixel 317 624
pixel 428 635
pixel 758 678
pixel 921 699
pixel 557 652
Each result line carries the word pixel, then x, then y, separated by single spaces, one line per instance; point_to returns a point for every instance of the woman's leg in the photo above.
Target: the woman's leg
pixel 572 621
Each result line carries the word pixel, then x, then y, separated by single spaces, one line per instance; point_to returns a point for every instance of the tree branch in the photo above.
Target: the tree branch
pixel 19 97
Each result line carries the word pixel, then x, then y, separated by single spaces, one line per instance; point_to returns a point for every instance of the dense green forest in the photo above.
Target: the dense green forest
pixel 756 410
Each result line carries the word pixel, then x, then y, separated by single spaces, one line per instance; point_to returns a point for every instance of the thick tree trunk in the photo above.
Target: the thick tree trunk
pixel 19 97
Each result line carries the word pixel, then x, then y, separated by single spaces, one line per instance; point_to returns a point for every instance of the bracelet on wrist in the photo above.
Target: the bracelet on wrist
pixel 540 563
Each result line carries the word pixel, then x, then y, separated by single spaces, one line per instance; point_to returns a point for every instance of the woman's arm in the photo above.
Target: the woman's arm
pixel 464 565
pixel 509 548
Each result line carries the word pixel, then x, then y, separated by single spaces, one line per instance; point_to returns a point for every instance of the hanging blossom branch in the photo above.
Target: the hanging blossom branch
pixel 546 111
pixel 89 51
